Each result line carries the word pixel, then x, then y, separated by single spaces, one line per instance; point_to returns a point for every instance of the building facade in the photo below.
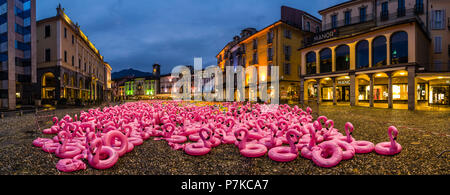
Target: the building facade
pixel 69 67
pixel 167 83
pixel 17 53
pixel 275 45
pixel 133 88
pixel 390 53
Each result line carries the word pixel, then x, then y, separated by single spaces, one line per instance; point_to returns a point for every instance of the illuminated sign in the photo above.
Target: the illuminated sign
pixel 343 82
pixel 325 35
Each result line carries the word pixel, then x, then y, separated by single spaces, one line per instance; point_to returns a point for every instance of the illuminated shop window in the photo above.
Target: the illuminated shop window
pixel 400 92
pixel 327 93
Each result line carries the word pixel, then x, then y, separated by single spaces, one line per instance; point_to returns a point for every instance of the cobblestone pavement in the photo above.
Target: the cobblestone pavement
pixel 423 135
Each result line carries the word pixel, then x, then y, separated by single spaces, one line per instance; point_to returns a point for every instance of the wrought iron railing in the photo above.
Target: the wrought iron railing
pixel 351 21
pixel 385 15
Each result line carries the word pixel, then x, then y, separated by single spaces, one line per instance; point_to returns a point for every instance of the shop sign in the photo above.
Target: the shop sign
pixel 325 35
pixel 343 82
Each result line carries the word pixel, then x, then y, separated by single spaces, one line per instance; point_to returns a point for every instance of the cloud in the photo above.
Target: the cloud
pixel 139 33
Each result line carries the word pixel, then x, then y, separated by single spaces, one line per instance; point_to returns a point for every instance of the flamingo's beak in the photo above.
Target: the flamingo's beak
pixel 395 138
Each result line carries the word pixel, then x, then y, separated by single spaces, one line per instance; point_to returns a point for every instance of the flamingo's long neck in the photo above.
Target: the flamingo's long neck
pixel 393 144
pixel 291 143
pixel 98 144
pixel 347 132
pixel 244 140
pixel 63 147
pixel 312 141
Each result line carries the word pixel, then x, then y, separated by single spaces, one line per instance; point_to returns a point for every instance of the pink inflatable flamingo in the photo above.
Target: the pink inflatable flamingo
pixel 39 142
pixel 199 148
pixel 389 148
pixel 65 150
pixel 271 141
pixel 327 154
pixel 175 138
pixel 98 149
pixel 54 129
pixel 71 165
pixel 348 138
pixel 331 133
pixel 283 153
pixel 361 147
pixel 50 147
pixel 306 150
pixel 348 151
pixel 135 141
pixel 111 138
pixel 249 149
pixel 226 139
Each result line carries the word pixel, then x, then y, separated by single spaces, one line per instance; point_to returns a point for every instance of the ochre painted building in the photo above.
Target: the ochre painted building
pixel 69 66
pixel 275 45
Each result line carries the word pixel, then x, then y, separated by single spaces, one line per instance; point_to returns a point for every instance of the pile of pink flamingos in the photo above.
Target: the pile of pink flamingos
pixel 101 136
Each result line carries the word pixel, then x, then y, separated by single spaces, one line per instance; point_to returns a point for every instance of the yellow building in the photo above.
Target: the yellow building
pixel 379 53
pixel 275 45
pixel 69 66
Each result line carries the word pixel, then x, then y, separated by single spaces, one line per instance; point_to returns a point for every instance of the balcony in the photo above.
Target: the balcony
pixel 402 14
pixel 352 21
pixel 384 15
pixel 418 9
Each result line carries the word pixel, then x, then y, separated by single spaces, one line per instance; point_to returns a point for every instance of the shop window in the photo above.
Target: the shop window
pixel 380 92
pixel 312 90
pixel 440 94
pixel 400 92
pixel 363 92
pixel 327 93
pixel 421 91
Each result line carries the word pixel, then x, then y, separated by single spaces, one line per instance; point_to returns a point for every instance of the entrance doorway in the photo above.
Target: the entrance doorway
pixel 343 93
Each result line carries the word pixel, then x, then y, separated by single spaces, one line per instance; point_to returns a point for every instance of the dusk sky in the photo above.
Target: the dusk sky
pixel 138 33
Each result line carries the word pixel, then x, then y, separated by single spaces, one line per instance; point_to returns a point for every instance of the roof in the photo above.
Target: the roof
pixel 340 4
pixel 62 16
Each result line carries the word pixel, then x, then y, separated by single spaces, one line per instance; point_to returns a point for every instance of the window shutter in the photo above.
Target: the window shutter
pixel 444 17
pixel 437 45
pixel 433 19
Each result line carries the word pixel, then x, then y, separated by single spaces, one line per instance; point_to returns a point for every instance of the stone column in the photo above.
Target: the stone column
pixel 390 99
pixel 334 91
pixel 388 49
pixel 319 92
pixel 333 59
pixel 370 52
pixel 371 89
pixel 317 62
pixel 352 89
pixel 411 88
pixel 301 94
